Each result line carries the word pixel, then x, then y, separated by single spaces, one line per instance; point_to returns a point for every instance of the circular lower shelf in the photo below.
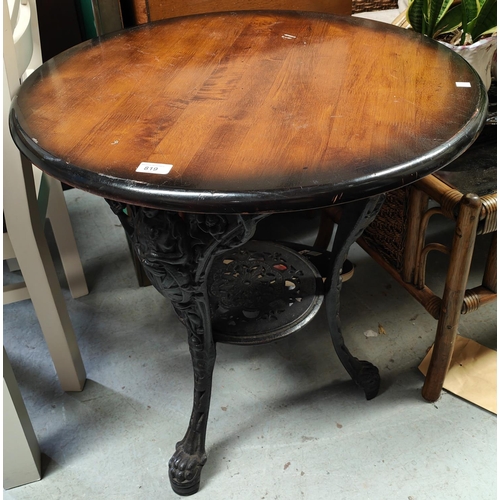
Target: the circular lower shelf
pixel 261 292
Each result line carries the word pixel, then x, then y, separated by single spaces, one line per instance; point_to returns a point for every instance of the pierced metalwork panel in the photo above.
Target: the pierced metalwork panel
pixel 261 292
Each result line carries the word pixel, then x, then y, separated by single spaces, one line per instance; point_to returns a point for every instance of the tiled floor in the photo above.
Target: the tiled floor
pixel 286 422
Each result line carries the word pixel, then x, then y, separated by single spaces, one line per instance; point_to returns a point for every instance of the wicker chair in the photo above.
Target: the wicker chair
pixel 359 6
pixel 465 193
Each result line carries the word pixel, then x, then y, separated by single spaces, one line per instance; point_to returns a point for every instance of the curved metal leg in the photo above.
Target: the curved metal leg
pixel 355 217
pixel 176 251
pixel 185 466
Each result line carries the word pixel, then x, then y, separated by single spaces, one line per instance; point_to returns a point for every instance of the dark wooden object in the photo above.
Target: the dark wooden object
pixel 144 11
pixel 60 24
pixel 256 112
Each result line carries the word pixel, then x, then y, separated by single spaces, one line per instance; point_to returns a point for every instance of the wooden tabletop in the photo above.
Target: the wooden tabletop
pixel 253 111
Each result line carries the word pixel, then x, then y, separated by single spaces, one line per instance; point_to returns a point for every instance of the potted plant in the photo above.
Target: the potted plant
pixel 465 27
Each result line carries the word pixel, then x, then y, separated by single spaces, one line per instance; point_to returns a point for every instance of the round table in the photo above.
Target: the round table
pixel 195 128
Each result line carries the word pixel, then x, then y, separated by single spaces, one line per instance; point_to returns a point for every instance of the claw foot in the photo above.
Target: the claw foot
pixel 184 471
pixel 368 378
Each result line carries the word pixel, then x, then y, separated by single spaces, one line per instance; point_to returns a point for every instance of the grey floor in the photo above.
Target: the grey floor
pixel 286 422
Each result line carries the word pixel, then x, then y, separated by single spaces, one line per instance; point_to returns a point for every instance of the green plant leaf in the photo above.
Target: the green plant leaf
pixel 426 15
pixel 415 16
pixel 434 17
pixel 470 9
pixel 446 7
pixel 486 20
pixel 450 21
pixel 438 9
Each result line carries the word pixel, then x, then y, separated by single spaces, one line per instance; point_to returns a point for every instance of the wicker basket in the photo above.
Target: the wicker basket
pixel 387 233
pixel 371 5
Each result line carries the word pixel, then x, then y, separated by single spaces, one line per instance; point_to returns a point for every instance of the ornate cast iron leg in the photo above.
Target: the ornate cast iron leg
pixel 176 251
pixel 355 217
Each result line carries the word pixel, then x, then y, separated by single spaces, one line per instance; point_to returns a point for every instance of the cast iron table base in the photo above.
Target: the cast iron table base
pixel 177 251
pixel 260 292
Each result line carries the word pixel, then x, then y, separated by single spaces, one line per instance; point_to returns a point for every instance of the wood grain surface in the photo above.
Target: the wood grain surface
pixel 255 111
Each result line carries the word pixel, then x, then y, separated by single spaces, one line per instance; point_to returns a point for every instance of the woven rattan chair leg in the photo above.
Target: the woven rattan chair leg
pixel 490 271
pixel 451 305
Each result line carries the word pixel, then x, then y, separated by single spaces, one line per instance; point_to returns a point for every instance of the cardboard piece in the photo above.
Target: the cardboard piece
pixel 472 374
